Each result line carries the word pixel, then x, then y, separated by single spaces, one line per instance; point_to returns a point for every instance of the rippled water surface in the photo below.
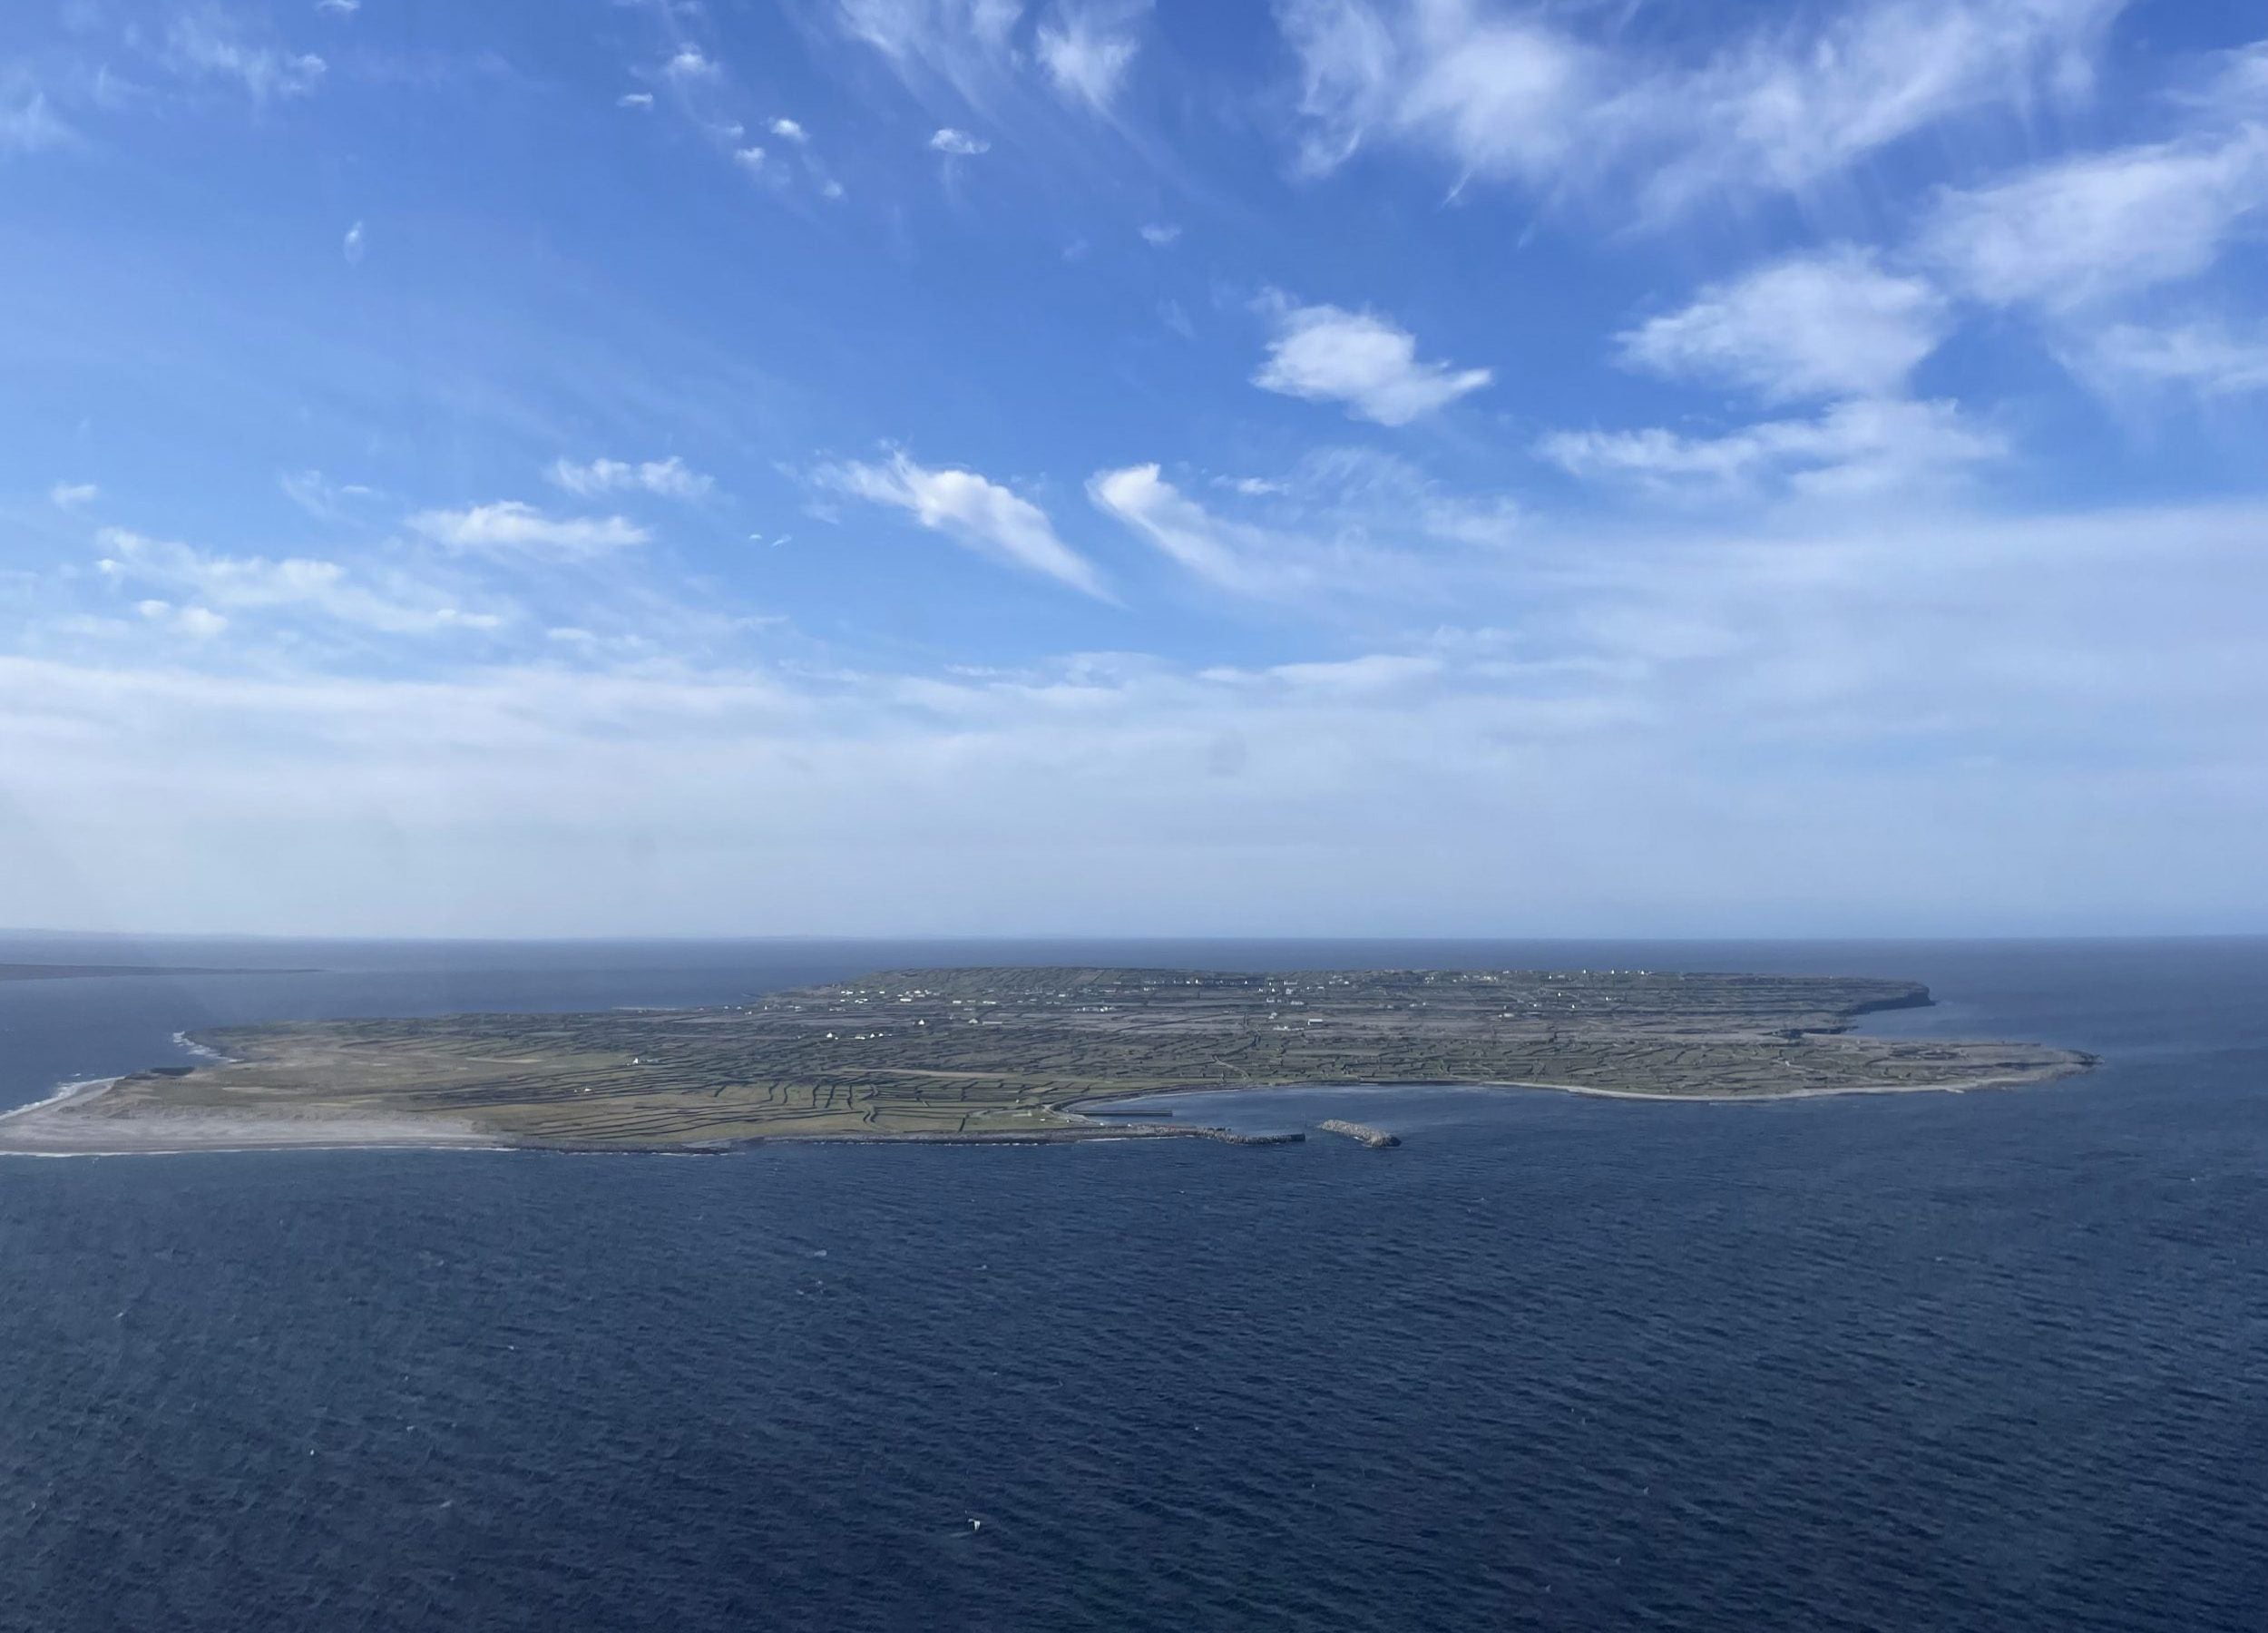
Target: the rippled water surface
pixel 1985 1361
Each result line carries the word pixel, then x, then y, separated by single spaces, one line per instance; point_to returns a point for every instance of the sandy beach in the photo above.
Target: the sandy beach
pixel 66 1124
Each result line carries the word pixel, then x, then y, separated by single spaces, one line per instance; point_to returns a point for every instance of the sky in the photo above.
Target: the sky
pixel 1340 467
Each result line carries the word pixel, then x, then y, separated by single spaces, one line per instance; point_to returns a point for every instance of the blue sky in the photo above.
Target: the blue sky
pixel 1095 466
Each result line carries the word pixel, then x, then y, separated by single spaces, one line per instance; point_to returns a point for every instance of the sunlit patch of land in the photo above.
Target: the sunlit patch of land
pixel 1009 1054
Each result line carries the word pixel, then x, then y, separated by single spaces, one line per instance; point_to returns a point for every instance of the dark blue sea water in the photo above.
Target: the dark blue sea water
pixel 1992 1361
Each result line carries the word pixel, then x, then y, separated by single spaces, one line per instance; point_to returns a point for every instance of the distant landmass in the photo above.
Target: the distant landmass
pixel 69 971
pixel 1018 1053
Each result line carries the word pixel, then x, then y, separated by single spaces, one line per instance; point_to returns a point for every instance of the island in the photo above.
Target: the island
pixel 1016 1053
pixel 58 972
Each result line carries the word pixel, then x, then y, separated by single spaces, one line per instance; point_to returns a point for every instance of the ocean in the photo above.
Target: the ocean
pixel 1992 1361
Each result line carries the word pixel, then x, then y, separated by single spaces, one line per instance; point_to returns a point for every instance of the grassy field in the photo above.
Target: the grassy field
pixel 1009 1053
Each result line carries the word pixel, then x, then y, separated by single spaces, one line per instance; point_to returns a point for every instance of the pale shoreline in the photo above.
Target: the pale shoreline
pixel 35 1132
pixel 170 1135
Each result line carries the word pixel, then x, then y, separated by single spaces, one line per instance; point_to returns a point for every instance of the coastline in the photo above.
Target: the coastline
pixel 190 1134
pixel 46 1128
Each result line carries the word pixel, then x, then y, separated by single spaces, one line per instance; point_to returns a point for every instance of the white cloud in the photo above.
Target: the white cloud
pixel 199 623
pixel 2204 358
pixel 1853 447
pixel 1361 496
pixel 509 524
pixel 241 584
pixel 689 63
pixel 2074 233
pixel 344 8
pixel 959 145
pixel 1087 47
pixel 1159 234
pixel 1372 675
pixel 1527 97
pixel 749 158
pixel 201 45
pixel 924 28
pixel 634 98
pixel 965 45
pixel 1499 96
pixel 1349 529
pixel 972 511
pixel 1327 354
pixel 972 48
pixel 787 130
pixel 351 246
pixel 670 478
pixel 1682 735
pixel 2235 90
pixel 1788 107
pixel 70 495
pixel 1832 324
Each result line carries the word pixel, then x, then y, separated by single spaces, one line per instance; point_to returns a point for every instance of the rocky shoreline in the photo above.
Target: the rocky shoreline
pixel 1377 1140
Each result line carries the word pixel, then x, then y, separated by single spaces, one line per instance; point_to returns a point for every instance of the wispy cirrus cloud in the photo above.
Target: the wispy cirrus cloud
pixel 1793 105
pixel 987 55
pixel 1860 446
pixel 927 28
pixel 511 525
pixel 206 585
pixel 972 511
pixel 669 478
pixel 1557 101
pixel 320 498
pixel 1242 560
pixel 2113 252
pixel 207 44
pixel 2078 231
pixel 1500 95
pixel 1610 702
pixel 2210 357
pixel 1821 324
pixel 966 46
pixel 1087 48
pixel 1346 528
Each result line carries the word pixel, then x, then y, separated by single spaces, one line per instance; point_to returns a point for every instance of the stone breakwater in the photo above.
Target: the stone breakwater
pixel 1377 1140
